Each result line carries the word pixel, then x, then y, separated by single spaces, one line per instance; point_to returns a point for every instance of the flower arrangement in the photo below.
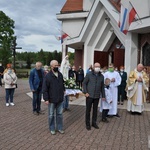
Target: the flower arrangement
pixel 70 84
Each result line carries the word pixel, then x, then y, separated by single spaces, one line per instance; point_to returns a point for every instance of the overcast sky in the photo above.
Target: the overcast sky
pixel 35 23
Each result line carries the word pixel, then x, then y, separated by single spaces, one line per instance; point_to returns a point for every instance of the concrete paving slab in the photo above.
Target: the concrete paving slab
pixel 21 130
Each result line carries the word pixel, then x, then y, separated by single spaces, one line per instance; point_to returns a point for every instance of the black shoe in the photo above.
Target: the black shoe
pixel 88 127
pixel 105 120
pixel 132 113
pixel 41 113
pixel 138 113
pixel 95 126
pixel 121 103
pixel 67 109
pixel 117 116
pixel 118 103
pixel 109 116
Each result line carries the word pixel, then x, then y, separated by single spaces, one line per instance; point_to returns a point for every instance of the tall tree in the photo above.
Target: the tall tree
pixel 41 56
pixel 6 37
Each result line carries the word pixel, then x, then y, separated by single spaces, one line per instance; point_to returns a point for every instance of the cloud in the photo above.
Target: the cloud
pixel 35 23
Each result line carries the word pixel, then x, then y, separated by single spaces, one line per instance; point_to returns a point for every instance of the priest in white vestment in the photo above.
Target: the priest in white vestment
pixel 136 89
pixel 115 82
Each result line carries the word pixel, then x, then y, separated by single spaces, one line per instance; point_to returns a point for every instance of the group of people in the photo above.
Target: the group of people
pixel 108 87
pixel 50 84
pixel 105 87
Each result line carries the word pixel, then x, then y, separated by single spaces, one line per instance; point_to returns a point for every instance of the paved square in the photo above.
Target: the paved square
pixel 21 130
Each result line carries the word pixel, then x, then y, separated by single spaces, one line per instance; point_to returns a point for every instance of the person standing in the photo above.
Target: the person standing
pixel 89 69
pixel 1 73
pixel 73 73
pixel 35 82
pixel 46 69
pixel 148 85
pixel 10 80
pixel 122 86
pixel 136 87
pixel 93 86
pixel 80 77
pixel 106 104
pixel 53 94
pixel 66 103
pixel 115 82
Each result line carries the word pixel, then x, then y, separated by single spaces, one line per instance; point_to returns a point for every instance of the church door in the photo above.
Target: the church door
pixel 118 59
pixel 101 57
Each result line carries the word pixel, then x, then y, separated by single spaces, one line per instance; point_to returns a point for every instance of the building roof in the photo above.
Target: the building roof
pixel 72 6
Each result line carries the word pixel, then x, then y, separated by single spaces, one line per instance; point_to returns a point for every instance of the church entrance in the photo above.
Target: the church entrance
pixel 146 55
pixel 146 62
pixel 117 57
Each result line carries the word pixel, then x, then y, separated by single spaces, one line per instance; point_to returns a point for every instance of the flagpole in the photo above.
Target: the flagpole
pixel 136 12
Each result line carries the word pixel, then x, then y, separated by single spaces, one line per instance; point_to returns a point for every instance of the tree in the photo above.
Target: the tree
pixel 71 58
pixel 41 57
pixel 6 37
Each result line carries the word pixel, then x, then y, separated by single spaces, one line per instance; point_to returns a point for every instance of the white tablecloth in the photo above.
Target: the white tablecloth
pixel 72 91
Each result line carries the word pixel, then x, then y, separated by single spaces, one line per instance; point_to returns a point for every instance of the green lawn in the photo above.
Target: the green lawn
pixel 23 73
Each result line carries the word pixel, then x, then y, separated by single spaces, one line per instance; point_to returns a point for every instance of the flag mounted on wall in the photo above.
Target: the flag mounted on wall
pixel 126 17
pixel 62 37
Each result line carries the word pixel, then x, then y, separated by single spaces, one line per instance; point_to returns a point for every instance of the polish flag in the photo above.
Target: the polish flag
pixel 132 13
pixel 63 36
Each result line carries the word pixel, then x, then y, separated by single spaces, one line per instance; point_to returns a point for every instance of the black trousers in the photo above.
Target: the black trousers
pixel 89 103
pixel 104 113
pixel 121 92
pixel 1 80
pixel 80 84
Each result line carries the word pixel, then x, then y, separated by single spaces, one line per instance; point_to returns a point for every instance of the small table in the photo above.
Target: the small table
pixel 73 92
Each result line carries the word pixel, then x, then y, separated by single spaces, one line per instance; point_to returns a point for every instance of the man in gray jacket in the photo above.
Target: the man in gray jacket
pixel 93 86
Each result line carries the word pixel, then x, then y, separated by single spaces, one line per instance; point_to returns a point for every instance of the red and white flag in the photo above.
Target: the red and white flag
pixel 127 16
pixel 63 36
pixel 132 13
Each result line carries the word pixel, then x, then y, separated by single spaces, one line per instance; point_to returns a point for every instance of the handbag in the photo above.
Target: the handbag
pixel 13 79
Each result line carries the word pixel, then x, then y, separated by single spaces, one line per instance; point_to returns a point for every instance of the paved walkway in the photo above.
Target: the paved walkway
pixel 21 130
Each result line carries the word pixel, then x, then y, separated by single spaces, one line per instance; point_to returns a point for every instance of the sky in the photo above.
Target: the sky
pixel 36 24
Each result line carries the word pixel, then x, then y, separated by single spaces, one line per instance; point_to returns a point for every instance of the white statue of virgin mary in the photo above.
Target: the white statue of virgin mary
pixel 64 67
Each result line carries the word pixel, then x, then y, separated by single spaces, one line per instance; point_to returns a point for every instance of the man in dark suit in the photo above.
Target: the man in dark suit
pixel 122 86
pixel 53 94
pixel 93 87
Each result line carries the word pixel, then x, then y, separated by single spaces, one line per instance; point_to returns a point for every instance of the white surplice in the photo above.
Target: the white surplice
pixel 105 104
pixel 113 90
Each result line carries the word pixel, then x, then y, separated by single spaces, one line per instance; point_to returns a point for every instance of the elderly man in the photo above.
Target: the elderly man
pixel 53 94
pixel 136 87
pixel 36 81
pixel 93 86
pixel 115 82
